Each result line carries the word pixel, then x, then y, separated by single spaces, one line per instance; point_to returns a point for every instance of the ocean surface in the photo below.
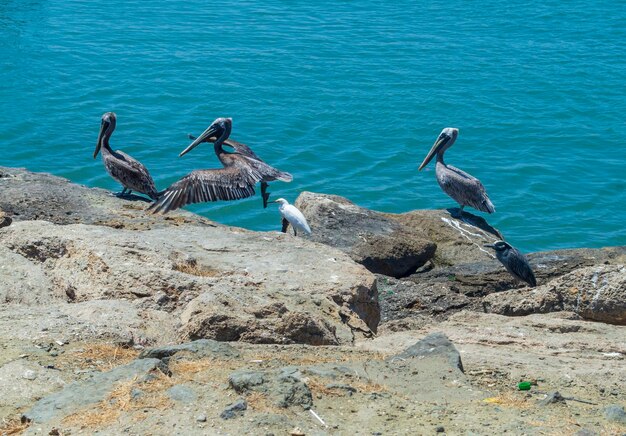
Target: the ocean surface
pixel 347 96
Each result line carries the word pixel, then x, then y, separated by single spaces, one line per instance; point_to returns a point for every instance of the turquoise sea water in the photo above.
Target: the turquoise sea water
pixel 347 96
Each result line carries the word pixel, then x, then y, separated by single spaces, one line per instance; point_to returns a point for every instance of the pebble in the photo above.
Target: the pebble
pixel 615 413
pixel 234 409
pixel 440 429
pixel 551 398
pixel 201 418
pixel 29 374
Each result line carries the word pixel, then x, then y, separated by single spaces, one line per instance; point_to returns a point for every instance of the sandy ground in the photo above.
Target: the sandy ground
pixel 354 390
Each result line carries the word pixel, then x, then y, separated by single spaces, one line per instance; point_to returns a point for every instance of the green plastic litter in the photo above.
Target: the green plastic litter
pixel 524 386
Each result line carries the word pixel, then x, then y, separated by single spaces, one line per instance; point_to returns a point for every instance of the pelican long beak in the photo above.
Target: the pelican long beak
pixel 99 144
pixel 207 134
pixel 440 142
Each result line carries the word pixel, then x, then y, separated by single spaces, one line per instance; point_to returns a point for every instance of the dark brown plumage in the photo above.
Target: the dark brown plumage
pixel 128 171
pixel 242 170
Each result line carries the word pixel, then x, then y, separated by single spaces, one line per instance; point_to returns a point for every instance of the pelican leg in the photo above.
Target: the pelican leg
pixel 123 193
pixel 285 226
pixel 265 195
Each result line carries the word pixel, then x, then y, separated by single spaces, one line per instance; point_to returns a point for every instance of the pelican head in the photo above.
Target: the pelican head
pixel 444 141
pixel 220 129
pixel 107 125
pixel 280 201
pixel 499 246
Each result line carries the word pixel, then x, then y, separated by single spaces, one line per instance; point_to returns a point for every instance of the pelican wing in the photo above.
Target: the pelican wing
pixel 131 173
pixel 268 172
pixel 466 189
pixel 242 149
pixel 230 183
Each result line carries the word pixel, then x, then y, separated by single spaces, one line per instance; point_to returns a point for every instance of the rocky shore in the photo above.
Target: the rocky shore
pixel 118 322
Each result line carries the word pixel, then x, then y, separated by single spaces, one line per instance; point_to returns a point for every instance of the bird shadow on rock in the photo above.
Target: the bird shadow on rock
pixel 474 220
pixel 132 197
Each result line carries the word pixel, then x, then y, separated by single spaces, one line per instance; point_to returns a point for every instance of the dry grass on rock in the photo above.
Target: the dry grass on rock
pixel 14 426
pixel 150 395
pixel 103 356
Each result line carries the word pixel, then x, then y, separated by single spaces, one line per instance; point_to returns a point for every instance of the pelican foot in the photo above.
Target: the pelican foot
pixel 264 194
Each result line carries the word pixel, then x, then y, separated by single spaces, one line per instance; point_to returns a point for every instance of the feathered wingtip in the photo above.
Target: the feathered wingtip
pixel 489 206
pixel 284 177
pixel 163 204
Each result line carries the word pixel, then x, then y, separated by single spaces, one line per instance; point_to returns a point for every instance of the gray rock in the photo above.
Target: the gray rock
pixel 182 393
pixel 434 344
pixel 585 432
pixel 371 238
pixel 243 380
pixel 615 413
pixel 20 392
pixel 349 389
pixel 412 298
pixel 285 390
pixel 335 300
pixel 291 391
pixel 597 293
pixel 39 196
pixel 234 410
pixel 5 220
pixel 79 394
pixel 29 375
pixel 552 398
pixel 201 418
pixel 198 349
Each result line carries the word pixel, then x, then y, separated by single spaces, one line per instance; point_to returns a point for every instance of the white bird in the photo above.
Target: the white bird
pixel 291 215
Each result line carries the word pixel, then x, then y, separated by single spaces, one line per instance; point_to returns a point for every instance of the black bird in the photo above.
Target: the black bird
pixel 514 262
pixel 128 171
pixel 242 170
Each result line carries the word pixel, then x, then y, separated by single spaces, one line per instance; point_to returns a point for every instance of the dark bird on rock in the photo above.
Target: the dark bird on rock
pixel 242 170
pixel 514 262
pixel 128 171
pixel 461 186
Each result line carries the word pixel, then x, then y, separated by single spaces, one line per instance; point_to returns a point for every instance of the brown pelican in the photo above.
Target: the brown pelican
pixel 462 187
pixel 129 172
pixel 514 261
pixel 242 170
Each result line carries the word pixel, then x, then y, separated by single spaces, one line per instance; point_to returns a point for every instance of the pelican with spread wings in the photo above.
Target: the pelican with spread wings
pixel 242 169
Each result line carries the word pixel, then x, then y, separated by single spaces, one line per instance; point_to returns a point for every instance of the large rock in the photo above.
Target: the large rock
pixel 25 195
pixel 380 243
pixel 488 275
pixel 396 244
pixel 597 293
pixel 219 282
